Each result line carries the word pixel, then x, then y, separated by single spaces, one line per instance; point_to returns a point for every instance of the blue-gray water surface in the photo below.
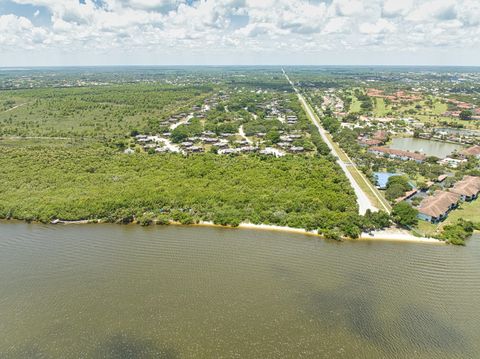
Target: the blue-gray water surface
pixel 111 291
pixel 427 147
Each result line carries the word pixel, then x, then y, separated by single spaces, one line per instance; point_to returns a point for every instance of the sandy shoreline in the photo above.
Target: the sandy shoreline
pixel 390 234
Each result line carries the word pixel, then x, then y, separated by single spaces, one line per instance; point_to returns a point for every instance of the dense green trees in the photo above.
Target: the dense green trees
pixel 466 115
pixel 457 233
pixel 182 132
pixel 273 136
pixel 396 187
pixel 74 181
pixel 404 214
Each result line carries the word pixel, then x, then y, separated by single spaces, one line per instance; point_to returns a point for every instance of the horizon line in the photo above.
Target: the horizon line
pixel 233 65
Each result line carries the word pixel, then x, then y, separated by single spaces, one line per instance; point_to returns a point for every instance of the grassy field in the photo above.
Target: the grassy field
pixel 439 108
pixel 426 229
pixel 102 111
pixel 469 211
pixel 355 106
pixel 380 109
pixel 341 153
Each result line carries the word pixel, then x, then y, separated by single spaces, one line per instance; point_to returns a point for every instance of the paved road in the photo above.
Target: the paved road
pixel 363 201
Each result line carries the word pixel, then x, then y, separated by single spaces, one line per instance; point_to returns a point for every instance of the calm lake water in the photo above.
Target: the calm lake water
pixel 111 291
pixel 428 147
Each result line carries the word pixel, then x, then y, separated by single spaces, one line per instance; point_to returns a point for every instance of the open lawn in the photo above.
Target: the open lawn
pixel 380 109
pixel 355 106
pixel 426 229
pixel 439 108
pixel 469 211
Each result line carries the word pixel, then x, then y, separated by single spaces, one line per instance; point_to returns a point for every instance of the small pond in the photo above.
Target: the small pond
pixel 428 147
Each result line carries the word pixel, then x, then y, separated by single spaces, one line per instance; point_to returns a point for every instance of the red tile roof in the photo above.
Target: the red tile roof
pixel 400 153
pixel 468 186
pixel 438 204
pixel 471 151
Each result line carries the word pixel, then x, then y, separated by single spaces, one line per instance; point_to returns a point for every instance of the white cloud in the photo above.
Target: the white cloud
pixel 348 7
pixel 19 31
pixel 242 26
pixel 381 26
pixel 434 10
pixel 393 8
pixel 336 25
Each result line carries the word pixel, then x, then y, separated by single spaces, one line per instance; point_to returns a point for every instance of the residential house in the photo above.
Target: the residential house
pixel 473 151
pixel 435 208
pixel 407 195
pixel 380 136
pixel 451 162
pixel 398 154
pixel 297 149
pixel 195 149
pixel 366 142
pixel 442 178
pixel 468 188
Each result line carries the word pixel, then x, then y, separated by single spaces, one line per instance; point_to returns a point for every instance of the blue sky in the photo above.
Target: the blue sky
pixel 200 32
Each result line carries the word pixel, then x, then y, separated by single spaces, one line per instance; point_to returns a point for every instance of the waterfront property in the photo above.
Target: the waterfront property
pixel 473 151
pixel 381 136
pixel 451 162
pixel 438 149
pixel 367 142
pixel 468 188
pixel 398 154
pixel 435 208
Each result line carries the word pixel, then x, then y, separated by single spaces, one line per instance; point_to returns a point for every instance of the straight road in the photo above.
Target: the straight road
pixel 363 201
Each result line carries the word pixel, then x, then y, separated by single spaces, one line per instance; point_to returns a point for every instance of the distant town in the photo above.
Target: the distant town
pixel 406 140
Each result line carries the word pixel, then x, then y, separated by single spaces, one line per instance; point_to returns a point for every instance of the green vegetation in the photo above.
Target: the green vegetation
pixel 466 115
pixel 69 163
pixel 182 132
pixel 380 107
pixel 457 233
pixel 452 229
pixel 404 214
pixel 396 187
pixel 74 181
pixel 468 211
pixel 100 112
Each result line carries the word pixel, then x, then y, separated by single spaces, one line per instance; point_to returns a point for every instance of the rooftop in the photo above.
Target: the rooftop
pixel 471 151
pixel 468 186
pixel 438 204
pixel 400 153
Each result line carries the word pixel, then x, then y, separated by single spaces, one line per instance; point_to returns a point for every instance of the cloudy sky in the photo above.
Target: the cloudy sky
pixel 165 32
